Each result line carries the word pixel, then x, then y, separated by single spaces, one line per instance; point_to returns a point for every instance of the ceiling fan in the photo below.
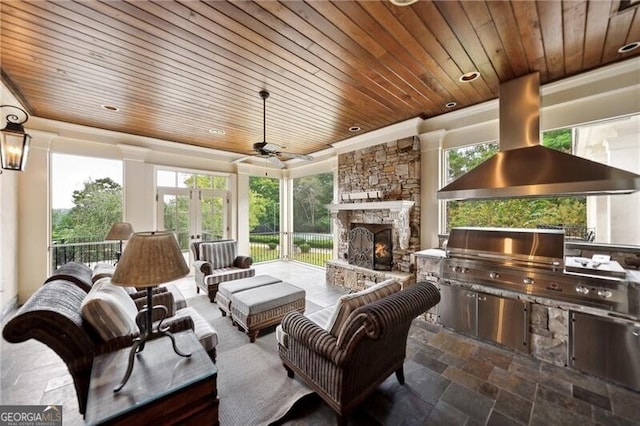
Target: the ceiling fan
pixel 270 151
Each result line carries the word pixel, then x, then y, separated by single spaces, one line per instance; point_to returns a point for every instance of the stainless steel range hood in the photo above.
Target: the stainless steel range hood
pixel 524 168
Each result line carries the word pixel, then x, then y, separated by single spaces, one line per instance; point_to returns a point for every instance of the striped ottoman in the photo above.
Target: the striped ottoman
pixel 261 307
pixel 228 288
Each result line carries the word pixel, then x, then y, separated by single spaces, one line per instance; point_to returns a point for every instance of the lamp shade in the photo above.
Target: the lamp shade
pixel 120 231
pixel 151 258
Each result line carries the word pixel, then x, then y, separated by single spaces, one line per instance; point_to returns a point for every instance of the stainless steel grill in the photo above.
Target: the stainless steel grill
pixel 531 261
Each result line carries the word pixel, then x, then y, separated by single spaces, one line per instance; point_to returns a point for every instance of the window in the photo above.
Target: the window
pixel 603 219
pixel 86 197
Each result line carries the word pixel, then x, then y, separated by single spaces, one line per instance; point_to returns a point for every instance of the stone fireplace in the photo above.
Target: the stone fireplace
pixel 377 218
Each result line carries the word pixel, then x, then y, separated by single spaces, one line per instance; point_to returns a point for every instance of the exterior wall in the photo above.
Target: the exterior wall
pixel 8 241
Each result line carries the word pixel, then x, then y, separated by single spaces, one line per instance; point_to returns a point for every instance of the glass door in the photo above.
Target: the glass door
pixel 194 215
pixel 211 215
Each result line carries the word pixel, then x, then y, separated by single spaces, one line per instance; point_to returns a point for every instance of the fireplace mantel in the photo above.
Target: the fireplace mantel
pixel 398 211
pixel 393 206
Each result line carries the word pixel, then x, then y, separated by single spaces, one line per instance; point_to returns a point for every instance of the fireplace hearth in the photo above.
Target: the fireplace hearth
pixel 371 246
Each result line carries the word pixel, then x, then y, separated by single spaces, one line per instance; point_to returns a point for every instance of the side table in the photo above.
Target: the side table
pixel 164 388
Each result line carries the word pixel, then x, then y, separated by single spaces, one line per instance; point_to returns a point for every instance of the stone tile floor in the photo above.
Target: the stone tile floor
pixel 450 380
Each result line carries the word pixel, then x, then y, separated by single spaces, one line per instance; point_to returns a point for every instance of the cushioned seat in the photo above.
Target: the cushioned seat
pixel 206 334
pixel 261 307
pixel 216 262
pixel 228 288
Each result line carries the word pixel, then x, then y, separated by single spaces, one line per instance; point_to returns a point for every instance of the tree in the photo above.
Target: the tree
pixel 264 204
pixel 310 195
pixel 96 207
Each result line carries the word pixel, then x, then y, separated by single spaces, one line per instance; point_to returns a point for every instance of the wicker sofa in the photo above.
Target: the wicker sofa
pixel 54 315
pixel 351 350
pixel 216 262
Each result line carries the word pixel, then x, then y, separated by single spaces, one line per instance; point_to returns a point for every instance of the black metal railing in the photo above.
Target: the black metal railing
pixel 89 253
pixel 573 232
pixel 312 248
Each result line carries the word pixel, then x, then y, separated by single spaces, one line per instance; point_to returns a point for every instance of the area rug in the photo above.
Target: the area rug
pixel 253 386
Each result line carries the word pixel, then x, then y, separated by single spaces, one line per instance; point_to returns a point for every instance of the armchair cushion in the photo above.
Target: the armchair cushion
pixel 219 254
pixel 110 310
pixel 350 302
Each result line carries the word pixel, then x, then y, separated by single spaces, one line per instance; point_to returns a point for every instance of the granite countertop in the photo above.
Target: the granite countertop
pixel 432 252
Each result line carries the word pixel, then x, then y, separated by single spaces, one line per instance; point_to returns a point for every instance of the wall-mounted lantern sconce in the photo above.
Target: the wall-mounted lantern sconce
pixel 14 142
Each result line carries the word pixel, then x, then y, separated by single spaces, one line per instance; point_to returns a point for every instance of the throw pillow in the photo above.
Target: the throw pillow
pixel 110 310
pixel 350 302
pixel 219 254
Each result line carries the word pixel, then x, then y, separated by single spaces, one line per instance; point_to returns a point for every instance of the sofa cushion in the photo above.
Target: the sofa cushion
pixel 228 274
pixel 322 317
pixel 110 310
pixel 206 334
pixel 219 254
pixel 102 270
pixel 350 302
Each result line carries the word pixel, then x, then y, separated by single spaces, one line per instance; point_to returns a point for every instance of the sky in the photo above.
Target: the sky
pixel 70 172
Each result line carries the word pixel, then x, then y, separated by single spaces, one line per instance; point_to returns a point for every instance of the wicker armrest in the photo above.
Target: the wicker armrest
pixel 143 293
pixel 159 299
pixel 311 335
pixel 243 262
pixel 203 266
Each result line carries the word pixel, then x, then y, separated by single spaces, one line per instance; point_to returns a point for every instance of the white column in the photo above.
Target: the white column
pixel 34 213
pixel 625 154
pixel 139 189
pixel 241 194
pixel 286 215
pixel 430 182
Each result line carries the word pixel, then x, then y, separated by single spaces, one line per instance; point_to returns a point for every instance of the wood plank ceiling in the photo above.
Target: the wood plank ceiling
pixel 176 69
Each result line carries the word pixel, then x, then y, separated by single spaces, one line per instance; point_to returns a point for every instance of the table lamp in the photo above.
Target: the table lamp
pixel 151 258
pixel 119 231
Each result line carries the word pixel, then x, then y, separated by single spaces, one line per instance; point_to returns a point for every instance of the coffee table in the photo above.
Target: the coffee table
pixel 163 388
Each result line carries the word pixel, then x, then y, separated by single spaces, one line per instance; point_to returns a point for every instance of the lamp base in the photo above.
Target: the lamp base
pixel 144 321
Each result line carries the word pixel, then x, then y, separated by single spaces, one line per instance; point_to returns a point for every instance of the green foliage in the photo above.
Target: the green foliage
pixel 264 238
pixel 272 246
pixel 560 140
pixel 96 207
pixel 299 240
pixel 461 160
pixel 264 204
pixel 310 195
pixel 304 248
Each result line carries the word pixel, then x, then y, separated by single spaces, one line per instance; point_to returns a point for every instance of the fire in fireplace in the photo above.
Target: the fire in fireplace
pixel 371 246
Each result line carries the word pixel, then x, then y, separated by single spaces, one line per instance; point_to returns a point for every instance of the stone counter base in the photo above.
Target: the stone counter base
pixel 343 274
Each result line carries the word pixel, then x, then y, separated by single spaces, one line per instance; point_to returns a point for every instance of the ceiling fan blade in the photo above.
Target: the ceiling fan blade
pixel 276 161
pixel 299 156
pixel 270 147
pixel 241 159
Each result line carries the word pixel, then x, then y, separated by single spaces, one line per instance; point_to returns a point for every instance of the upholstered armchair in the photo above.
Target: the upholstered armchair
pixel 216 262
pixel 346 364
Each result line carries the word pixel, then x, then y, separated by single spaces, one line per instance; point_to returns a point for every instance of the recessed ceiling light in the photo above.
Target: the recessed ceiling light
pixel 110 107
pixel 354 129
pixel 217 132
pixel 403 2
pixel 629 47
pixel 470 76
pixel 450 104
